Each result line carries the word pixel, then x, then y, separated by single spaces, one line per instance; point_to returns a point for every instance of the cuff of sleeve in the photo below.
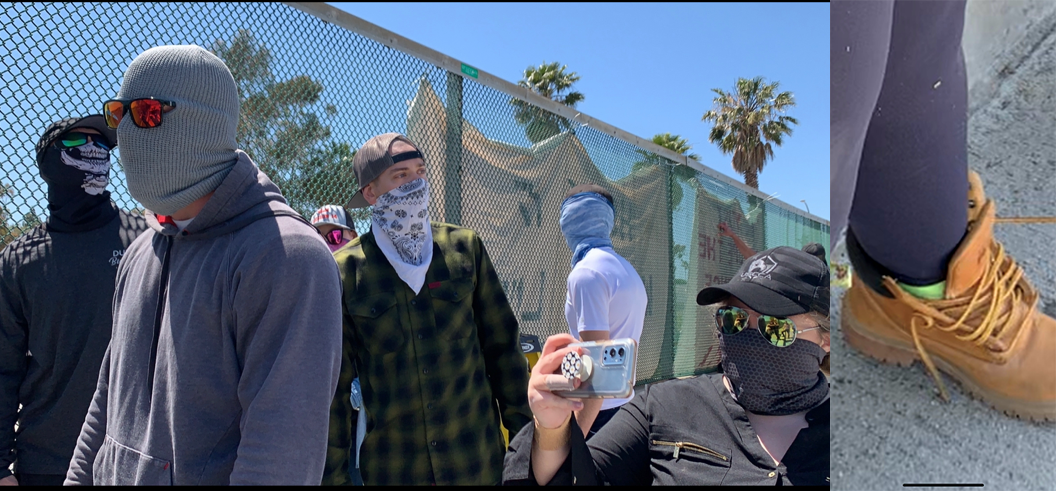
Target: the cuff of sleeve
pixel 580 465
pixel 578 468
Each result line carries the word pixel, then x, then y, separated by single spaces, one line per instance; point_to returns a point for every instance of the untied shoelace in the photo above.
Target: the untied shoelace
pixel 1004 287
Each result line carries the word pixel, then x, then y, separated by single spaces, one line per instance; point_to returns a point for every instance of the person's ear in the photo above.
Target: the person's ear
pixel 368 194
pixel 825 340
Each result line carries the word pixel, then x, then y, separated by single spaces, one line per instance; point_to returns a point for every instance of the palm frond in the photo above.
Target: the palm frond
pixel 748 122
pixel 553 81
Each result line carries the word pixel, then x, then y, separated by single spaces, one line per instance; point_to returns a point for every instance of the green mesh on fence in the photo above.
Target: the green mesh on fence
pixel 313 92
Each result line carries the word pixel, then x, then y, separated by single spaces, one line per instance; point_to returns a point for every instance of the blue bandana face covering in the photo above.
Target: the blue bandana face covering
pixel 586 220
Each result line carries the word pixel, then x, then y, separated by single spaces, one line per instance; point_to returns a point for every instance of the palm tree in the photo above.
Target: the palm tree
pixel 683 173
pixel 747 122
pixel 675 143
pixel 551 81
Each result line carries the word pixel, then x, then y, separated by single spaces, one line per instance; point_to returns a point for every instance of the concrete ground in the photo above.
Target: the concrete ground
pixel 889 427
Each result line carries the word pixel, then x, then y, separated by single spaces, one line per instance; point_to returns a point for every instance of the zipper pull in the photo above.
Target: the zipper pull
pixel 678 446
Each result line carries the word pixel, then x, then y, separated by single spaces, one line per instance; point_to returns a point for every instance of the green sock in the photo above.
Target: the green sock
pixel 934 291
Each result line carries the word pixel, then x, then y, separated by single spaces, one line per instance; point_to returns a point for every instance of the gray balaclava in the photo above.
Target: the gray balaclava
pixel 193 150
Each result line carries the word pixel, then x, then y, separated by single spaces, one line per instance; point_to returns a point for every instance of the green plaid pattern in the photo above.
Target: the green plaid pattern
pixel 436 368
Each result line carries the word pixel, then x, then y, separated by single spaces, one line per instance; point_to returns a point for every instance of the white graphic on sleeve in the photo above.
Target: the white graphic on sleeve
pixel 116 258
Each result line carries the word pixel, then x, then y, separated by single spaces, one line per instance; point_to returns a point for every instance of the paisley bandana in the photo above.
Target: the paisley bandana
pixel 400 221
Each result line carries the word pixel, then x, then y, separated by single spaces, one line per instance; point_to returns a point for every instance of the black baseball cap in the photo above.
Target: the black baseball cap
pixel 95 121
pixel 782 281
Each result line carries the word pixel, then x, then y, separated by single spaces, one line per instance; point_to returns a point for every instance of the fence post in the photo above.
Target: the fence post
pixel 666 368
pixel 453 167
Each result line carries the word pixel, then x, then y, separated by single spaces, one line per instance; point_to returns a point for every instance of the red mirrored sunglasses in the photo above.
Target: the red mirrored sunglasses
pixel 146 112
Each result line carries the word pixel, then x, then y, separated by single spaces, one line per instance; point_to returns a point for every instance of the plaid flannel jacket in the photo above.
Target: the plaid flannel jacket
pixel 432 367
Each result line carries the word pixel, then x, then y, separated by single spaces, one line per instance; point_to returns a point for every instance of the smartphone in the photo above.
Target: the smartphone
pixel 606 369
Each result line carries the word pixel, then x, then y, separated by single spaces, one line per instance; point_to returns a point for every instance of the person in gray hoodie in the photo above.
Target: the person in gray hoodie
pixel 226 341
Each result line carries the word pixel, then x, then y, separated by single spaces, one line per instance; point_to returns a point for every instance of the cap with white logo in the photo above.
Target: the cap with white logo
pixel 782 281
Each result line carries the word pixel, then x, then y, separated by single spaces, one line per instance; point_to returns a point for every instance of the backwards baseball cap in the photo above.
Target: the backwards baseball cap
pixel 782 281
pixel 58 128
pixel 331 215
pixel 373 158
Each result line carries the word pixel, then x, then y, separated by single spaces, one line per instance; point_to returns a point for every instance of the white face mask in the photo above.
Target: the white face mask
pixel 401 222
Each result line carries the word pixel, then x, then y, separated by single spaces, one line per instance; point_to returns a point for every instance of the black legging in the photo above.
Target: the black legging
pixel 899 132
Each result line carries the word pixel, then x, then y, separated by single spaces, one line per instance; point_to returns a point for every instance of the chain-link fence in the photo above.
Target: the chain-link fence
pixel 312 92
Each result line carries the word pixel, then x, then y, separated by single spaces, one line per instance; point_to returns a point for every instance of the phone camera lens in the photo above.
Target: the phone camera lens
pixel 612 352
pixel 621 351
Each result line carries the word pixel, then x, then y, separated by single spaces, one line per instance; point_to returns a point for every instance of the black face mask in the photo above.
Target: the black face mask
pixel 77 179
pixel 771 380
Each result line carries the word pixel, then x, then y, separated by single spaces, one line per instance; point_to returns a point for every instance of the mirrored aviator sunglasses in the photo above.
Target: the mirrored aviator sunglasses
pixel 146 112
pixel 778 331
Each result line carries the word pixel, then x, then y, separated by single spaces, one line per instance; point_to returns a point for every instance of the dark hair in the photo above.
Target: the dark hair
pixel 589 188
pixel 815 249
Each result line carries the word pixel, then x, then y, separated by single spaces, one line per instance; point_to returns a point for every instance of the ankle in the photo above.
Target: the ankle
pixel 872 273
pixel 934 291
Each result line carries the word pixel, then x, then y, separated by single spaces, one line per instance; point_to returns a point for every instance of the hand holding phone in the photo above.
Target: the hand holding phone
pixel 604 369
pixel 551 411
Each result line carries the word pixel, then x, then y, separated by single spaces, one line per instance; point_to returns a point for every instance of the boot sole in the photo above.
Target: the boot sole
pixel 896 352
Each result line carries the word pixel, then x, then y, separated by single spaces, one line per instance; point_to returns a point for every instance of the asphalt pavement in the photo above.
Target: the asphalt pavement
pixel 889 428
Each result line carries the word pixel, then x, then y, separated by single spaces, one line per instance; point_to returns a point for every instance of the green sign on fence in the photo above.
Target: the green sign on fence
pixel 468 70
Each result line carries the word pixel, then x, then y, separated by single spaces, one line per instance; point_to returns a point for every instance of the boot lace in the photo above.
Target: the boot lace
pixel 993 300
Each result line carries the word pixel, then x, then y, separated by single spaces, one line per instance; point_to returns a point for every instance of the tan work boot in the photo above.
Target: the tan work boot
pixel 986 333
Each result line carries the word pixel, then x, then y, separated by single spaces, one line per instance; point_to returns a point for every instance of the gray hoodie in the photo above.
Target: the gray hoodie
pixel 225 351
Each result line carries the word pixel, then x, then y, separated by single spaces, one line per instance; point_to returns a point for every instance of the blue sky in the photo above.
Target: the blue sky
pixel 649 68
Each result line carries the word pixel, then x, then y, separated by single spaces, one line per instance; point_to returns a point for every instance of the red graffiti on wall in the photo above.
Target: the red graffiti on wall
pixel 707 246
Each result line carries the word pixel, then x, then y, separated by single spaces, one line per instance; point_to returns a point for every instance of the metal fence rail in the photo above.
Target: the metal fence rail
pixel 316 82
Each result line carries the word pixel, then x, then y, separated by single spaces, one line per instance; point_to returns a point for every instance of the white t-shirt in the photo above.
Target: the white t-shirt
pixel 605 293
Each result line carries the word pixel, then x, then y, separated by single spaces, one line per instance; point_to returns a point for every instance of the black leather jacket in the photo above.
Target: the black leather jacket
pixel 688 431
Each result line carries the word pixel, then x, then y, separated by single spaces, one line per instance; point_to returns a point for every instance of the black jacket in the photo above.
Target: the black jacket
pixel 56 295
pixel 688 431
